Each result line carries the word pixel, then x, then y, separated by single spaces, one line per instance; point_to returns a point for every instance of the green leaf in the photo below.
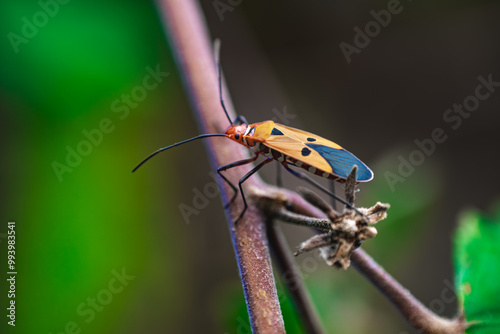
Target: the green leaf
pixel 477 270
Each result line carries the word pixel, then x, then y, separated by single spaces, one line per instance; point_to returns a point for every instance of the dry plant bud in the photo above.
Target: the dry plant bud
pixel 345 231
pixel 348 231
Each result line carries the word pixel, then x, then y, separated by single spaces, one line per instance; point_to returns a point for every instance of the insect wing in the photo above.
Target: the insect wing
pixel 342 162
pixel 316 151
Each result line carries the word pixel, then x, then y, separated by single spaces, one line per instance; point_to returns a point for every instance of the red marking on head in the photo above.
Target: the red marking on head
pixel 236 132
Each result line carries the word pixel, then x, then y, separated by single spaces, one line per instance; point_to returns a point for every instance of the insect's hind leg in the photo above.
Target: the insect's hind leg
pixel 239 119
pixel 279 179
pixel 229 166
pixel 331 183
pixel 243 179
pixel 320 187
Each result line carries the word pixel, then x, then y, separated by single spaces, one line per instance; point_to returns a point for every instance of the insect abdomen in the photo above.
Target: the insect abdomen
pixel 276 155
pixel 314 170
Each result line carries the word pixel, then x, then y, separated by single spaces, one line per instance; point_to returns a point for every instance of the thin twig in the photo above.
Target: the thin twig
pixel 293 218
pixel 189 39
pixel 413 310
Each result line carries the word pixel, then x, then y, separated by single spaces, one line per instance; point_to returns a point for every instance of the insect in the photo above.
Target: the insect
pixel 289 146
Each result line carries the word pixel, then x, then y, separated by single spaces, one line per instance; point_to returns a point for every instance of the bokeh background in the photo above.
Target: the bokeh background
pixel 65 72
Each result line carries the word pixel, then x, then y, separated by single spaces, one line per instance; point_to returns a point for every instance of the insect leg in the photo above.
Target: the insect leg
pixel 279 181
pixel 243 179
pixel 229 166
pixel 219 75
pixel 332 189
pixel 320 187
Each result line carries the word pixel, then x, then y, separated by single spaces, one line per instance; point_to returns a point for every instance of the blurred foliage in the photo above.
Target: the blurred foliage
pixel 75 232
pixel 477 267
pixel 79 58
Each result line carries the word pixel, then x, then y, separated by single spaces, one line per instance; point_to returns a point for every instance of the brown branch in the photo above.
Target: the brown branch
pixel 191 44
pixel 290 276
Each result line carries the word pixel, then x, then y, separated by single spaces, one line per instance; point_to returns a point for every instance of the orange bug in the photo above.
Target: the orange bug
pixel 289 146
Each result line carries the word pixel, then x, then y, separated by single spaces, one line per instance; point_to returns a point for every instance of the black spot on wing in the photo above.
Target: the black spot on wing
pixel 276 132
pixel 311 139
pixel 342 162
pixel 305 152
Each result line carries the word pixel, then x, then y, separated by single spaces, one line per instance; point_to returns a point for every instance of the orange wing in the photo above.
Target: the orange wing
pixel 316 151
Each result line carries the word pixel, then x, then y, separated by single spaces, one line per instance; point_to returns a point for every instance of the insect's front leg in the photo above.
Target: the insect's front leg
pixel 243 179
pixel 229 166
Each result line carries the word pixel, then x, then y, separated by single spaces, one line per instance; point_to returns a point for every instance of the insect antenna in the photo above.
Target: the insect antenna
pixel 174 145
pixel 217 63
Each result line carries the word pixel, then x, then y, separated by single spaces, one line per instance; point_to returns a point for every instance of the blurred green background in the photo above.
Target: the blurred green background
pixel 77 77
